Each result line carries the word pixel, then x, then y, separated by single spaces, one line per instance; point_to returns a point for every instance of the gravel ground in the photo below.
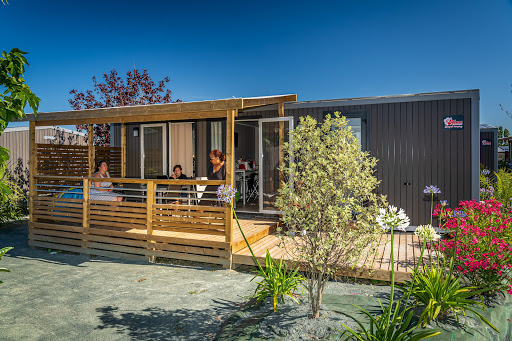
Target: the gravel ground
pixel 51 295
pixel 59 296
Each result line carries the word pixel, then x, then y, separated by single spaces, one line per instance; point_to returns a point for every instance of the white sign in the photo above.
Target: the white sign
pixel 50 138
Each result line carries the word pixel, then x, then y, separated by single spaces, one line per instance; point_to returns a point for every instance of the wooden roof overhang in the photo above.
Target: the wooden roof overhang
pixel 156 112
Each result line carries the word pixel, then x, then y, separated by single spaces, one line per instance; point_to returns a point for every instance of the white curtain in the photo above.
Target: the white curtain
pixel 217 136
pixel 181 147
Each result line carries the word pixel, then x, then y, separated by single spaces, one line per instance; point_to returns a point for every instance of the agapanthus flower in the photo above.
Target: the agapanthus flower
pixel 392 217
pixel 432 190
pixel 460 214
pixel 444 203
pixel 486 172
pixel 226 193
pixel 427 232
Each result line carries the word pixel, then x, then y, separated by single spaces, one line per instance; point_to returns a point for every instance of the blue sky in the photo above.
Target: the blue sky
pixel 316 49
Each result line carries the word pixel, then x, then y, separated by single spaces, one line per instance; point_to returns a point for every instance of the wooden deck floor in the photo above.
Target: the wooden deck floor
pixel 134 243
pixel 254 229
pixel 407 249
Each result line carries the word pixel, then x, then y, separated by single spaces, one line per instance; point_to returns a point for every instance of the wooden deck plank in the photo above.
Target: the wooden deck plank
pixel 405 247
pixel 402 253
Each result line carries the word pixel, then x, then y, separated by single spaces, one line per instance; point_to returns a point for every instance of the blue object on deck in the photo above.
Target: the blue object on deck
pixel 71 193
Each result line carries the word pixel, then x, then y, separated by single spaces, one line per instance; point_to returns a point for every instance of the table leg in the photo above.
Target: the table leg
pixel 244 189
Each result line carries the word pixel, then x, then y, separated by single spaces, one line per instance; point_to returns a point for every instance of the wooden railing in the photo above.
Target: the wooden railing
pixel 151 205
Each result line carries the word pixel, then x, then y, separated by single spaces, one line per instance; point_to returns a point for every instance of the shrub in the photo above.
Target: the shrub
pixel 328 201
pixel 277 280
pixel 483 253
pixel 496 186
pixel 3 251
pixel 10 196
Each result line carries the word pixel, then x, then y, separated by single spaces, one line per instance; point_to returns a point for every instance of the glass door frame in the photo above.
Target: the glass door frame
pixel 164 147
pixel 260 156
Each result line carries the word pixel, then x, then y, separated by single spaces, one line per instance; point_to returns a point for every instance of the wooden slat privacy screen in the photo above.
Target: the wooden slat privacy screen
pixel 73 160
pixel 112 155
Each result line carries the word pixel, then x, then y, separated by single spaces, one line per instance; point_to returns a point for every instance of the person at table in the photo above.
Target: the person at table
pixel 216 172
pixel 103 190
pixel 178 173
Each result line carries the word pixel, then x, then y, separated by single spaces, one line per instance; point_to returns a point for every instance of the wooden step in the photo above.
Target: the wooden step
pixel 254 230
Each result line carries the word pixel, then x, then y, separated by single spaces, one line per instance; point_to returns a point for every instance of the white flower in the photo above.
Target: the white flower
pixel 427 232
pixel 390 218
pixel 303 232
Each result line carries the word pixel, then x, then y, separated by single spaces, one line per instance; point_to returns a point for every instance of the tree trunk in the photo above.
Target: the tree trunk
pixel 316 297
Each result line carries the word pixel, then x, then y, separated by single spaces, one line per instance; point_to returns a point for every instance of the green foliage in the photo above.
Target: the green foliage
pixel 503 133
pixel 10 196
pixel 440 294
pixel 328 200
pixel 497 186
pixel 17 93
pixel 3 251
pixel 393 325
pixel 277 281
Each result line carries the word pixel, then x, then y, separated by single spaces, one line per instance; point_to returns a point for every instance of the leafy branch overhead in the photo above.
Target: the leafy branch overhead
pixel 138 89
pixel 17 93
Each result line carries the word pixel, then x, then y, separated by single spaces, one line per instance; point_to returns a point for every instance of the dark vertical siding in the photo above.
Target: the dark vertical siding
pixel 132 151
pixel 487 152
pixel 411 147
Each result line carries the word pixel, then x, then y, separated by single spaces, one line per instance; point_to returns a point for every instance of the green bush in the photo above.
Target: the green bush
pixel 277 281
pixel 439 293
pixel 3 251
pixel 329 201
pixel 496 186
pixel 13 201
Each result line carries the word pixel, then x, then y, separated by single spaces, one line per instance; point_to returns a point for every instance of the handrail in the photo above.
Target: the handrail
pixel 134 181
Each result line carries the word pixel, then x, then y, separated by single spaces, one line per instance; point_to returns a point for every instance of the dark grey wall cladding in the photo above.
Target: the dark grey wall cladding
pixel 487 151
pixel 413 150
pixel 132 151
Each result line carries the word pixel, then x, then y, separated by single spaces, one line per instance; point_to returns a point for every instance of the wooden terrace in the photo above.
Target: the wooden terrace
pixel 155 219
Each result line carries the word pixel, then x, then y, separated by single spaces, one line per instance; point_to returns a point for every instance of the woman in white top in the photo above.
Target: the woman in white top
pixel 105 192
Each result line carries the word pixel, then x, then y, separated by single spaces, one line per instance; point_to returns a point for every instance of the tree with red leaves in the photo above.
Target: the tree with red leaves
pixel 139 89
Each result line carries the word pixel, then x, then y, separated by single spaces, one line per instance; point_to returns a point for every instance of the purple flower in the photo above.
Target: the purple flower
pixel 460 214
pixel 432 190
pixel 444 203
pixel 486 172
pixel 226 193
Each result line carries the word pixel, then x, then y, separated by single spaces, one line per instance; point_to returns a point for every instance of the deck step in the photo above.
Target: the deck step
pixel 254 231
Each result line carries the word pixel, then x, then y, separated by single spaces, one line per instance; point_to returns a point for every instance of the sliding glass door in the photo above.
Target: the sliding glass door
pixel 273 133
pixel 153 150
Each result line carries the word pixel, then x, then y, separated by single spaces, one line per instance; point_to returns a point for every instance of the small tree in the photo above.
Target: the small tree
pixel 329 201
pixel 138 90
pixel 503 132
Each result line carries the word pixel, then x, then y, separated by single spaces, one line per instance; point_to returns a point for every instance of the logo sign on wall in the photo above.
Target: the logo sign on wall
pixel 453 122
pixel 486 143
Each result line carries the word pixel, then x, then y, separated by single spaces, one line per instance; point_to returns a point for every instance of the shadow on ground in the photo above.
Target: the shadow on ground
pixel 154 323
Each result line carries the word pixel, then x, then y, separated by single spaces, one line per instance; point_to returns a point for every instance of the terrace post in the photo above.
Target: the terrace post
pixel 85 212
pixel 123 150
pixel 85 192
pixel 150 198
pixel 230 168
pixel 32 168
pixel 90 140
pixel 281 141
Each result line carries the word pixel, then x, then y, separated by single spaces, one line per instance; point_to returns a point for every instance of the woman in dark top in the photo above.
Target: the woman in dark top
pixel 177 170
pixel 217 172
